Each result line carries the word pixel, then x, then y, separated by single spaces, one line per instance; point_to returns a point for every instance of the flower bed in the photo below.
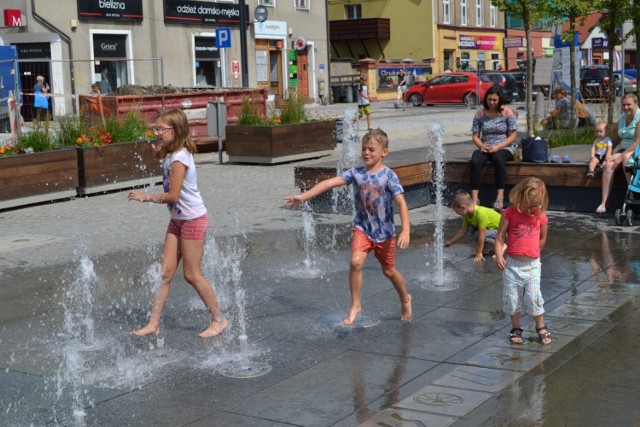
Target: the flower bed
pixel 39 177
pixel 116 166
pixel 278 144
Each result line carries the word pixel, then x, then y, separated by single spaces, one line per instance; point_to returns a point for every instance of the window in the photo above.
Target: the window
pixel 463 12
pixel 353 11
pixel 493 12
pixel 303 4
pixel 495 60
pixel 446 12
pixel 479 14
pixel 481 65
pixel 464 61
pixel 271 3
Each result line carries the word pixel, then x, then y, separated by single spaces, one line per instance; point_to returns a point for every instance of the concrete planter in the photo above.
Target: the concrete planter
pixel 279 144
pixel 40 177
pixel 116 166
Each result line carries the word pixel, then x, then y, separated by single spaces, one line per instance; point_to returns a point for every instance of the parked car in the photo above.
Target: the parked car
pixel 508 83
pixel 594 82
pixel 457 87
pixel 630 84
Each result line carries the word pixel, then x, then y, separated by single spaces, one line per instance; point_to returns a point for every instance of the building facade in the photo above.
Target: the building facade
pixel 74 43
pixel 470 35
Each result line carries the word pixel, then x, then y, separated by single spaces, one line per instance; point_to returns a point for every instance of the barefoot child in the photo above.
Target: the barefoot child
pixel 482 223
pixel 189 220
pixel 601 148
pixel 525 226
pixel 375 187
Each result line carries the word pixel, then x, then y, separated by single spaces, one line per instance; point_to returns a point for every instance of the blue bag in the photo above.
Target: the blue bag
pixel 535 150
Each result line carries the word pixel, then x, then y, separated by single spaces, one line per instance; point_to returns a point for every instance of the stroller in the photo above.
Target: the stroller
pixel 624 216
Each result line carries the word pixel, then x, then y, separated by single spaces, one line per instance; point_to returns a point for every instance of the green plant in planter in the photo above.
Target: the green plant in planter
pixel 562 137
pixel 292 111
pixel 40 138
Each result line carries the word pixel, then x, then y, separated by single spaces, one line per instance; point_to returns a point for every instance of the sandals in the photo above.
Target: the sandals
pixel 515 336
pixel 544 336
pixel 497 205
pixel 601 209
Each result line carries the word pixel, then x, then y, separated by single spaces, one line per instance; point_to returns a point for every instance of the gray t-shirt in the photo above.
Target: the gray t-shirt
pixel 564 112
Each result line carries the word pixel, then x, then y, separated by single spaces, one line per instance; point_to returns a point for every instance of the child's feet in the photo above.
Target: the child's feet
pixel 590 174
pixel 544 336
pixel 147 330
pixel 406 308
pixel 215 328
pixel 515 336
pixel 351 315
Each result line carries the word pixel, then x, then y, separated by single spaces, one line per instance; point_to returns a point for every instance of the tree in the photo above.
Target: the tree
pixel 614 13
pixel 530 11
pixel 575 13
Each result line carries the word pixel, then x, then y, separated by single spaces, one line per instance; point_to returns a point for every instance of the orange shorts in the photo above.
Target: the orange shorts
pixel 385 252
pixel 190 229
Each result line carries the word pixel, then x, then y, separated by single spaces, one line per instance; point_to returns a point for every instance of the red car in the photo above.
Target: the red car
pixel 458 87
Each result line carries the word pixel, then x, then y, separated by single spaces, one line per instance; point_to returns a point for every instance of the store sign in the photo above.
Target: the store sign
pixel 270 29
pixel 206 48
pixel 109 46
pixel 508 42
pixel 33 50
pixel 599 43
pixel 300 43
pixel 200 12
pixel 13 18
pixel 480 42
pixel 121 10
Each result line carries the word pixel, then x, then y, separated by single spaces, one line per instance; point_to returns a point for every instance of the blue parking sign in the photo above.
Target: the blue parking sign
pixel 223 38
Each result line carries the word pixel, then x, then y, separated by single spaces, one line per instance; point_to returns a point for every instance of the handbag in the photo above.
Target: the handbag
pixel 535 150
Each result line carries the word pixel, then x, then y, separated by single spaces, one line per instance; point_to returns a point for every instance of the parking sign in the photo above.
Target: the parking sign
pixel 223 37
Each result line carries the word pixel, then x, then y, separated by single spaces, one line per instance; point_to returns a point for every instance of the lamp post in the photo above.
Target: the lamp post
pixel 243 45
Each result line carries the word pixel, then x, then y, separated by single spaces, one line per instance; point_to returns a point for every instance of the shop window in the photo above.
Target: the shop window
pixel 110 66
pixel 481 61
pixel 464 61
pixel 495 60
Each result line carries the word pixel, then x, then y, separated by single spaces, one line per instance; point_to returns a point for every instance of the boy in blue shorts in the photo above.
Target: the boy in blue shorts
pixel 482 223
pixel 375 188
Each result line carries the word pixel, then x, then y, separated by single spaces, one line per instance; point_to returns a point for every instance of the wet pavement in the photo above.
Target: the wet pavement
pixel 77 276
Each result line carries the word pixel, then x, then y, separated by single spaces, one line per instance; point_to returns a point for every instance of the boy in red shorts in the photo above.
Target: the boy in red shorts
pixel 375 187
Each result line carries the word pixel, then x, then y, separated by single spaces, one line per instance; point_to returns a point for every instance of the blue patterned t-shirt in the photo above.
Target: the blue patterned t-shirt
pixel 373 195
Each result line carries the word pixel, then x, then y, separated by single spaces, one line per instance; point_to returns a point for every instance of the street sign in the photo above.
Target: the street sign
pixel 223 38
pixel 261 13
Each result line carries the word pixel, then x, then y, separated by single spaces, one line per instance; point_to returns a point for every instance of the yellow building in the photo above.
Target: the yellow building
pixel 379 38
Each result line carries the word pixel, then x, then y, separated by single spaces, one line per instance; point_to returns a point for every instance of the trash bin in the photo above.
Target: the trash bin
pixel 350 93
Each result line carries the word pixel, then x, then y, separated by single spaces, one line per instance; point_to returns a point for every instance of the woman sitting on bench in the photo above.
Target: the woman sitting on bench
pixel 494 130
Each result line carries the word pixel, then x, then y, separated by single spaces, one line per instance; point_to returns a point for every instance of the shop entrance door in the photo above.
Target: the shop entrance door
pixel 303 74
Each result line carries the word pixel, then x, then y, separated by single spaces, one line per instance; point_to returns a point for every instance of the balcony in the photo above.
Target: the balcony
pixel 360 29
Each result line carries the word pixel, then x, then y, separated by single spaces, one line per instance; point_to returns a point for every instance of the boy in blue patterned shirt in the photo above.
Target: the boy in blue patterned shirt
pixel 375 187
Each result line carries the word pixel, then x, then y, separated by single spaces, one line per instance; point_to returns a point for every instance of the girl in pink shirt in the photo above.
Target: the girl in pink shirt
pixel 524 226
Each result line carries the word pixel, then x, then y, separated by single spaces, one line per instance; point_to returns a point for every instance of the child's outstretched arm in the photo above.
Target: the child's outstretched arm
pixel 502 231
pixel 459 235
pixel 403 210
pixel 316 190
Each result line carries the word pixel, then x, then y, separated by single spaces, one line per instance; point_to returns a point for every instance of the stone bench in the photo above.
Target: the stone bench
pixel 569 188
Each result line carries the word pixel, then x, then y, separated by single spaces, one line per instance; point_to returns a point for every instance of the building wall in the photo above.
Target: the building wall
pixel 411 27
pixel 159 51
pixel 470 45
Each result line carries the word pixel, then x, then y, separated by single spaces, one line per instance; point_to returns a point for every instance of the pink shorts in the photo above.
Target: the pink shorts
pixel 385 252
pixel 189 229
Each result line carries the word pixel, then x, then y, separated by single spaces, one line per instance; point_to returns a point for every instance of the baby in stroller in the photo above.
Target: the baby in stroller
pixel 624 215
